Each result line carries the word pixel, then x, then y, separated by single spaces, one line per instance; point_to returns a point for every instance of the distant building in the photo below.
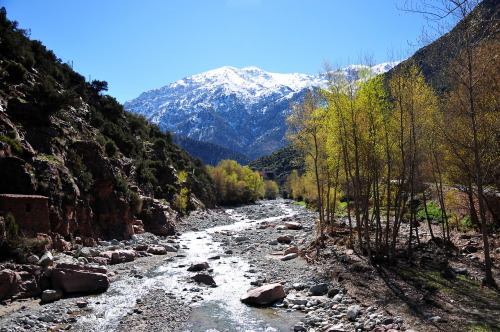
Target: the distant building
pixel 31 212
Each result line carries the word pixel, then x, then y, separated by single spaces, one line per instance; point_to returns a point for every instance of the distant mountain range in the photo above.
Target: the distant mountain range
pixel 240 109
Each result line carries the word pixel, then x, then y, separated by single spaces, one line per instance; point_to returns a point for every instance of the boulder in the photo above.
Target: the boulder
pixel 204 279
pixel 119 256
pixel 32 259
pixel 293 225
pixel 263 295
pixel 9 282
pixel 284 239
pixel 72 278
pixel 46 260
pixel 98 260
pixel 319 289
pixel 353 311
pixel 51 295
pixel 198 267
pixel 157 250
pixel 241 239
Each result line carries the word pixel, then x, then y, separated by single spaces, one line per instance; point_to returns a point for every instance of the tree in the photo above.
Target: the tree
pixel 470 66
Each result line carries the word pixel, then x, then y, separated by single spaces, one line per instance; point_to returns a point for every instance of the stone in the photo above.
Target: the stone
pixel 293 225
pixel 119 256
pixel 263 295
pixel 273 242
pixel 9 283
pixel 292 250
pixel 72 278
pixel 51 295
pixel 198 267
pixel 104 243
pixel 32 259
pixel 353 311
pixel 289 257
pixel 204 279
pixel 46 260
pixel 157 250
pixel 99 260
pixel 47 318
pixel 82 304
pixel 241 239
pixel 319 289
pixel 284 239
pixel 170 248
pixel 436 319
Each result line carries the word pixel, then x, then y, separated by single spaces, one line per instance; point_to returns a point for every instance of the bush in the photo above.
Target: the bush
pixel 11 226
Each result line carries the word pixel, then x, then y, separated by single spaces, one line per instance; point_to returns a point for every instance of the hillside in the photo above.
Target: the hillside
pixel 240 109
pixel 103 170
pixel 438 59
pixel 279 164
pixel 209 153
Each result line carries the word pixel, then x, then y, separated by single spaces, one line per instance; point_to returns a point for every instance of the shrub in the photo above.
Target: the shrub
pixel 11 226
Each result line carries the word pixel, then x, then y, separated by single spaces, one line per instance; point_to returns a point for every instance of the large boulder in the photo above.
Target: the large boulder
pixel 72 278
pixel 263 295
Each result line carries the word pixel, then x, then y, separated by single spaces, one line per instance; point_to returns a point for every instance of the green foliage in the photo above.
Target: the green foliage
pixel 84 178
pixel 271 189
pixel 14 144
pixel 466 224
pixel 111 148
pixel 434 211
pixel 279 164
pixel 236 184
pixel 11 226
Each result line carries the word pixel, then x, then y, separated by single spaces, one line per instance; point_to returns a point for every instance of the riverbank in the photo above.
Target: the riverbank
pixel 244 248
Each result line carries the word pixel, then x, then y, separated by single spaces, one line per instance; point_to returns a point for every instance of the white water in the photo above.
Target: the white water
pixel 220 309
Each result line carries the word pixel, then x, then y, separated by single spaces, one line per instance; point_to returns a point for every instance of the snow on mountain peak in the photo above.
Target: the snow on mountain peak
pixel 241 109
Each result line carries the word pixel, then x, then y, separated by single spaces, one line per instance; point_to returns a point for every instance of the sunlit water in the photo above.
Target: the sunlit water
pixel 220 309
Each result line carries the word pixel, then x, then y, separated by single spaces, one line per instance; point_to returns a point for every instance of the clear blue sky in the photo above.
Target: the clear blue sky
pixel 140 45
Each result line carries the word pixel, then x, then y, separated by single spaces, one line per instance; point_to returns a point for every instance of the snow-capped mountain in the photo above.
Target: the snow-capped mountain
pixel 241 109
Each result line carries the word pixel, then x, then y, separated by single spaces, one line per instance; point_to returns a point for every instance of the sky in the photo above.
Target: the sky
pixel 137 46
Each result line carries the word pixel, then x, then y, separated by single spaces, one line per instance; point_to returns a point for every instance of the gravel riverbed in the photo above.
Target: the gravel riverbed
pixel 260 240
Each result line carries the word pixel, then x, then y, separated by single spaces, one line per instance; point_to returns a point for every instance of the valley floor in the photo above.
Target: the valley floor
pixel 335 291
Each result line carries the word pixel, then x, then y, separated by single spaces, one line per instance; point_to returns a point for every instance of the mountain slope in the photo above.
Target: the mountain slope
pixel 209 153
pixel 99 166
pixel 241 109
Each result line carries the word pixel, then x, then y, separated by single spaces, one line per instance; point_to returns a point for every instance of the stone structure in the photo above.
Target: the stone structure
pixel 31 212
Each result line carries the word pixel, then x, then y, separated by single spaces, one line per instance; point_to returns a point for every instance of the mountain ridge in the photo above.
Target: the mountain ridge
pixel 240 109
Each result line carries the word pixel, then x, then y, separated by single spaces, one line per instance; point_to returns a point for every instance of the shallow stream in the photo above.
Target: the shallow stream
pixel 217 308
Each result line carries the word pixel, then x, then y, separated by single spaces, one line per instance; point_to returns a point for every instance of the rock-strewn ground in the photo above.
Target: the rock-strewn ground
pixel 328 300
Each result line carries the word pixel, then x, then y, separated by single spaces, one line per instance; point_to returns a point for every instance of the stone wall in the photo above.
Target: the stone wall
pixel 30 212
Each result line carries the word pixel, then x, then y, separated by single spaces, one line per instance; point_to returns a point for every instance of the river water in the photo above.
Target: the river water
pixel 220 308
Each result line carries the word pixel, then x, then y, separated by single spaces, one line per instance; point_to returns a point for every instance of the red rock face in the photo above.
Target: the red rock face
pixel 79 279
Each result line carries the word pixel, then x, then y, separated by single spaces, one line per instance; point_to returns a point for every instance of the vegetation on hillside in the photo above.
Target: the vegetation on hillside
pixel 50 109
pixel 279 164
pixel 210 153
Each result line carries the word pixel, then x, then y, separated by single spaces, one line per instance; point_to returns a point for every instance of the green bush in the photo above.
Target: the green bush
pixel 434 211
pixel 14 144
pixel 11 226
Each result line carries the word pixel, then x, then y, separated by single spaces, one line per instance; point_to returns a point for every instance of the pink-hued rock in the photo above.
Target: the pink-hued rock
pixel 99 260
pixel 263 295
pixel 72 278
pixel 119 256
pixel 9 283
pixel 292 250
pixel 157 250
pixel 198 267
pixel 141 247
